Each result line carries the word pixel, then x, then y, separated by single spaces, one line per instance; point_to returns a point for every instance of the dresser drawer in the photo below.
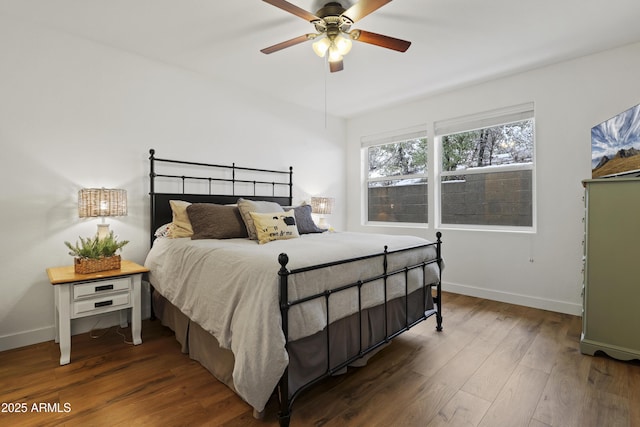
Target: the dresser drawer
pixel 101 287
pixel 104 303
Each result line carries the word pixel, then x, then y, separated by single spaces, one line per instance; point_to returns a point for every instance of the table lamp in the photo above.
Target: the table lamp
pixel 322 206
pixel 103 202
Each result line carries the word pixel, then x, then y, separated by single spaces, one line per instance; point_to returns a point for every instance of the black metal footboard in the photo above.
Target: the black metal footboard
pixel 333 367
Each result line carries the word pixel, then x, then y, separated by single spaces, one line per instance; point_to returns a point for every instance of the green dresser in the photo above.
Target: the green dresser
pixel 611 304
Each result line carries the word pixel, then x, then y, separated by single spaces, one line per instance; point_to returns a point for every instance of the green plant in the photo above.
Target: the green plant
pixel 94 247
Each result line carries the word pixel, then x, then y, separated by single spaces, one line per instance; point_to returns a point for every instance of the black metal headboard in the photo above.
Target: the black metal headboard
pixel 161 210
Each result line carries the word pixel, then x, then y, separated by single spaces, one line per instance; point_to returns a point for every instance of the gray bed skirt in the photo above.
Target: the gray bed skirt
pixel 307 356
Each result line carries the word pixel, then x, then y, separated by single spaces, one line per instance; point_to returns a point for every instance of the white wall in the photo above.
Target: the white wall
pixel 76 114
pixel 541 269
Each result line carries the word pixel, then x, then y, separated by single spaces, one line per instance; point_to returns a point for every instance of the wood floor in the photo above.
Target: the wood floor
pixel 493 365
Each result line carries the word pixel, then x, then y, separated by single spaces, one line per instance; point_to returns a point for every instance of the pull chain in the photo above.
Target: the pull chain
pixel 326 71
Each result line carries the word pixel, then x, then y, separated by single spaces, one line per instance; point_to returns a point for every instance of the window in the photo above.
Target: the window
pixel 396 178
pixel 486 176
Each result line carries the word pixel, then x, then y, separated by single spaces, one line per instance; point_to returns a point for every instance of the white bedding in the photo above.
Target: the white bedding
pixel 230 288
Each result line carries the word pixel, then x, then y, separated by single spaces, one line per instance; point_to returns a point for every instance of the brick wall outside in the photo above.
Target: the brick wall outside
pixel 500 198
pixel 405 203
pixel 497 198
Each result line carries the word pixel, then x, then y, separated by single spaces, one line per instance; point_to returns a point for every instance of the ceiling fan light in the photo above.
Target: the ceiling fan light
pixel 342 44
pixel 321 46
pixel 334 55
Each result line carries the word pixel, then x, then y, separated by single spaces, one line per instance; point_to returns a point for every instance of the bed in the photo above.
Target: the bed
pixel 261 297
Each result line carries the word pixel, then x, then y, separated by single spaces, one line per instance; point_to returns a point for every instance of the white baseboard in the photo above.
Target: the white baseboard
pixel 22 339
pixel 511 298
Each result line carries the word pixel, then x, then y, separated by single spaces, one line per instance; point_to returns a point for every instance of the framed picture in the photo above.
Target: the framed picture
pixel 615 145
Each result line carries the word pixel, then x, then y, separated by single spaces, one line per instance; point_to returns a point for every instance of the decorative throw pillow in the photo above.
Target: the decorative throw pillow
pixel 211 221
pixel 305 222
pixel 163 231
pixel 181 226
pixel 247 206
pixel 275 226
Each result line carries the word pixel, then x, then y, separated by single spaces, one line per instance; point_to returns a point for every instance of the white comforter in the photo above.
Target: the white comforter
pixel 230 288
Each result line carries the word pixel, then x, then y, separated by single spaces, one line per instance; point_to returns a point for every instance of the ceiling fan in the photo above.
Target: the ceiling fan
pixel 334 34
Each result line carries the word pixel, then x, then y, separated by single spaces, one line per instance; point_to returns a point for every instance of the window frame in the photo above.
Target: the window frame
pixel 499 117
pixel 394 137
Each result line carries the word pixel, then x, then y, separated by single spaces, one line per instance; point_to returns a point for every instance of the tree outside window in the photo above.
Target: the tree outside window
pixel 499 145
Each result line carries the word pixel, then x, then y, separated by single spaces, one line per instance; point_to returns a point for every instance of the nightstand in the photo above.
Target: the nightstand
pixel 82 295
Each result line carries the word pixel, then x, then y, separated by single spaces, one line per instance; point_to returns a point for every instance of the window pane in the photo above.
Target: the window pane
pixel 402 197
pixel 398 201
pixel 399 158
pixel 500 145
pixel 482 191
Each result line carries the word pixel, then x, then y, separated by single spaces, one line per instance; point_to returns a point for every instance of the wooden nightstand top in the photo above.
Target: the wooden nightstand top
pixel 67 274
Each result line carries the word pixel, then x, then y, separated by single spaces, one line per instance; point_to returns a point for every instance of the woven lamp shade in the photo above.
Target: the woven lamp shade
pixel 102 202
pixel 321 205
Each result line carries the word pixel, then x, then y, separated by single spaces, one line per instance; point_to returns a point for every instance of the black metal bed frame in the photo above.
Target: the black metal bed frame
pixel 286 401
pixel 161 214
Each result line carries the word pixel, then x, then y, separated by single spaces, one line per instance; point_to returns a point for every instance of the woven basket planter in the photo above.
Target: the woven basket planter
pixel 91 265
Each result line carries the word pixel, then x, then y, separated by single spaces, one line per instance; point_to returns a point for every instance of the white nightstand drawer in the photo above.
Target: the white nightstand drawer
pixel 100 287
pixel 105 303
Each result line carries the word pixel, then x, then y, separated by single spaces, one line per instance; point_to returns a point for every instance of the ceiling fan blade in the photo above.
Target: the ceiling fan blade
pixel 336 66
pixel 363 8
pixel 292 8
pixel 380 40
pixel 292 42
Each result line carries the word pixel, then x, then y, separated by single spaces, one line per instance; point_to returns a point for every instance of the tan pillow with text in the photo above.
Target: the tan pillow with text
pixel 275 226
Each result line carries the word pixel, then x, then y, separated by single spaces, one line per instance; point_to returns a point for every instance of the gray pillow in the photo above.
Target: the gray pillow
pixel 259 206
pixel 211 221
pixel 305 221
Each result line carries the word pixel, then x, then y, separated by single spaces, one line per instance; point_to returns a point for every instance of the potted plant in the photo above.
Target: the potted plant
pixel 94 254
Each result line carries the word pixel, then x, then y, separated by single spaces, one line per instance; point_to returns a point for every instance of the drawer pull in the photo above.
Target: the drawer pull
pixel 104 288
pixel 103 303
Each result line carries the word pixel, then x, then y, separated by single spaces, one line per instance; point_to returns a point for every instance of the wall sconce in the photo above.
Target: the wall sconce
pixel 103 202
pixel 322 206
